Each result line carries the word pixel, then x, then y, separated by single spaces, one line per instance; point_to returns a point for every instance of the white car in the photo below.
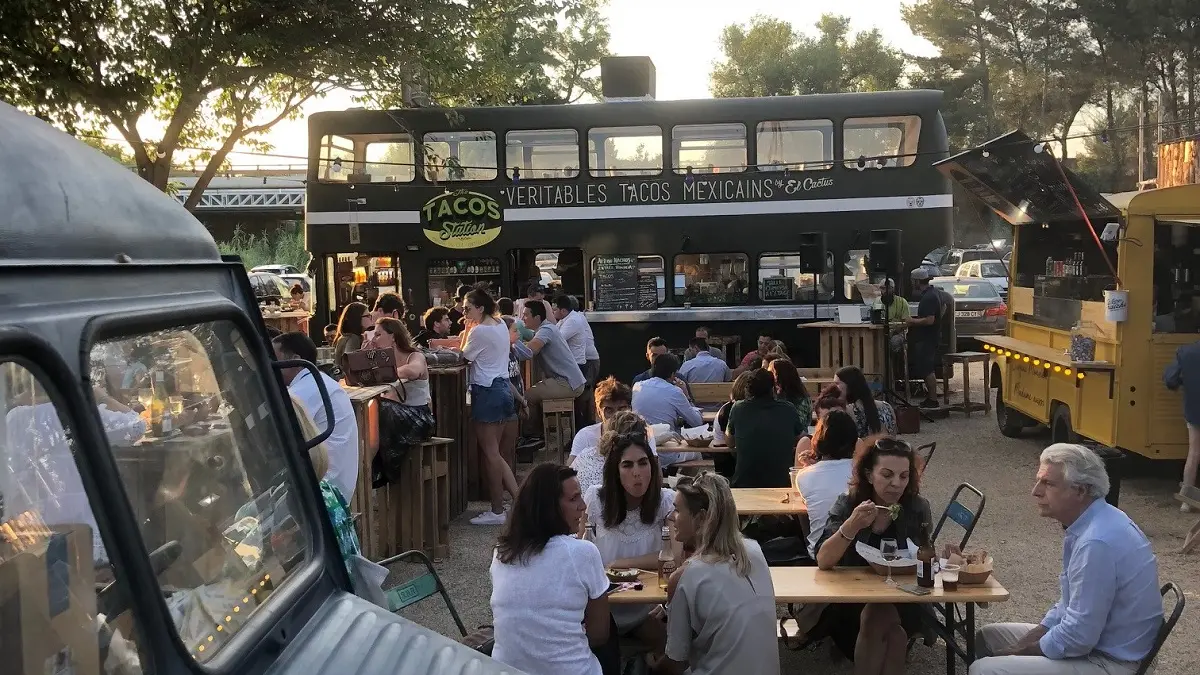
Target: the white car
pixel 994 271
pixel 278 270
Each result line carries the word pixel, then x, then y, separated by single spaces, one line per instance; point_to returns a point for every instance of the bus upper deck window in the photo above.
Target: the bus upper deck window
pixel 880 142
pixel 709 148
pixel 542 153
pixel 459 156
pixel 797 145
pixel 390 158
pixel 625 151
pixel 335 159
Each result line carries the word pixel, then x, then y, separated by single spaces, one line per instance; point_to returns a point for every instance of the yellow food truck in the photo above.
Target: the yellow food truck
pixel 1097 306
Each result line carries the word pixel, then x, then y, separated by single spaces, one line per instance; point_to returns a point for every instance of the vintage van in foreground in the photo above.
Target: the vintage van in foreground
pixel 159 510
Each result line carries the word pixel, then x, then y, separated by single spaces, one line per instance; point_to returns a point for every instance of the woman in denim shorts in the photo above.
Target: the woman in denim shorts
pixel 492 403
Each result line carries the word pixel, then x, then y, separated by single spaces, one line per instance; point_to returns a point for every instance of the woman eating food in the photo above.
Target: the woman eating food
pixel 629 509
pixel 883 502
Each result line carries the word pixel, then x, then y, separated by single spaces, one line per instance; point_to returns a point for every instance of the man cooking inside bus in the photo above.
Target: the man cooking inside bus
pixel 923 336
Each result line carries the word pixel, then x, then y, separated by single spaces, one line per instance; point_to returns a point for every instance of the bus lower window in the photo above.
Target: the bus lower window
pixel 447 274
pixel 625 151
pixel 798 145
pixel 1176 277
pixel 709 148
pixel 460 156
pixel 780 279
pixel 711 278
pixel 335 162
pixel 542 153
pixel 880 142
pixel 648 266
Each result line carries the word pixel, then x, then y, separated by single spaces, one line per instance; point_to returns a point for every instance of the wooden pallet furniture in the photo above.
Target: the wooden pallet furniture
pixel 558 425
pixel 850 344
pixel 413 513
pixel 448 393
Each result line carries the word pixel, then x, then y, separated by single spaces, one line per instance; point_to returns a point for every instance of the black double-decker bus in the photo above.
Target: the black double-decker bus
pixel 742 215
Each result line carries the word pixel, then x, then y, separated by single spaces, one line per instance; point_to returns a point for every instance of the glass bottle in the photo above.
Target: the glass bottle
pixel 925 558
pixel 666 558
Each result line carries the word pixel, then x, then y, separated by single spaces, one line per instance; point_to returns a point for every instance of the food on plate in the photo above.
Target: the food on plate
pixel 620 576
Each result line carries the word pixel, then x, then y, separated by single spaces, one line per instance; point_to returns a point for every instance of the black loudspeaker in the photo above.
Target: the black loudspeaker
pixel 627 77
pixel 885 253
pixel 812 252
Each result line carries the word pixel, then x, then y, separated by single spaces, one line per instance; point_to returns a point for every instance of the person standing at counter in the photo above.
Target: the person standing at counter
pixel 923 336
pixel 1184 372
pixel 563 377
pixel 456 312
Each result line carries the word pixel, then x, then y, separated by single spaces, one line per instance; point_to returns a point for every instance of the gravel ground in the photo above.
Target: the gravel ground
pixel 1028 548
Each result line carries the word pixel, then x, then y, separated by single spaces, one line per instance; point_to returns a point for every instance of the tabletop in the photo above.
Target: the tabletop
pixel 840 585
pixel 834 324
pixel 676 446
pixel 768 502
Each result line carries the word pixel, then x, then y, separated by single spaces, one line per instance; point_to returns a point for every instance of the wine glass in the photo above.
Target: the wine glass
pixel 887 548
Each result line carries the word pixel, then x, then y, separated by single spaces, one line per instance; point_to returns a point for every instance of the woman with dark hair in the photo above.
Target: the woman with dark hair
pixel 408 419
pixel 487 348
pixel 829 400
pixel 356 317
pixel 871 416
pixel 546 582
pixel 725 463
pixel 763 431
pixel 885 474
pixel 828 474
pixel 789 387
pixel 629 509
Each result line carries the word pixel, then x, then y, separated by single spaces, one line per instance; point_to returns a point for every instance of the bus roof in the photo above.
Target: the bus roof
pixel 66 202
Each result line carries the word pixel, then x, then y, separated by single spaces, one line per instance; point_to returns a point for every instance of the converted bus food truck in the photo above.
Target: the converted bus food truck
pixel 1124 278
pixel 131 547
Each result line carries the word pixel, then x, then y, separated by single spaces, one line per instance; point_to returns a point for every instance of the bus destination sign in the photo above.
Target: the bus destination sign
pixel 630 192
pixel 461 220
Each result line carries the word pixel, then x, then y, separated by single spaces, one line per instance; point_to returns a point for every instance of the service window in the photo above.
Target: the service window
pixel 459 156
pixel 542 153
pixel 203 467
pixel 780 279
pixel 390 158
pixel 880 142
pixel 53 562
pixel 711 278
pixel 709 148
pixel 648 267
pixel 1176 277
pixel 355 277
pixel 625 151
pixel 795 145
pixel 335 161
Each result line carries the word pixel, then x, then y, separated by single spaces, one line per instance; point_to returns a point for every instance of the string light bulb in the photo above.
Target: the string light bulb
pixel 1039 148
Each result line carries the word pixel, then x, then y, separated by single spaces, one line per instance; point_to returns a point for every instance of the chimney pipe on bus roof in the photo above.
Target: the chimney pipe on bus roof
pixel 627 78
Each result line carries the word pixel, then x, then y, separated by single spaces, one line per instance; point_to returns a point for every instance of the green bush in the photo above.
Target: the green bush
pixel 282 246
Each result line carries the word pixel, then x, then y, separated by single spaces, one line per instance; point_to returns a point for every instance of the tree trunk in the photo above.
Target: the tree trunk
pixel 214 165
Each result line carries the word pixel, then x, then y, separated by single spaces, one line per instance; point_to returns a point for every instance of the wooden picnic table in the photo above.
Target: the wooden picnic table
pixel 676 446
pixel 768 502
pixel 805 585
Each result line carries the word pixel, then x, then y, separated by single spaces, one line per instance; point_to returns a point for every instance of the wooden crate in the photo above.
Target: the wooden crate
pixel 448 390
pixel 558 424
pixel 413 512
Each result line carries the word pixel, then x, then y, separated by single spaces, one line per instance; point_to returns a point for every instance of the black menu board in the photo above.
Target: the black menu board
pixel 777 288
pixel 647 291
pixel 616 283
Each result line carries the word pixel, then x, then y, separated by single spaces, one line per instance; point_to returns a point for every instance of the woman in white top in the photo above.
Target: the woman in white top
pixel 722 613
pixel 549 605
pixel 822 482
pixel 628 510
pixel 492 403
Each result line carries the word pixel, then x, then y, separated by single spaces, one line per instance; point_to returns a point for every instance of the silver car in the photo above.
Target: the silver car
pixel 978 307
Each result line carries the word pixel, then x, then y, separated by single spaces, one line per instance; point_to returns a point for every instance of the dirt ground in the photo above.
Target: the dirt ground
pixel 1028 549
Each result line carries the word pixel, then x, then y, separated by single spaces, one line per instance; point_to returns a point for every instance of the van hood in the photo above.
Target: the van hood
pixel 1023 186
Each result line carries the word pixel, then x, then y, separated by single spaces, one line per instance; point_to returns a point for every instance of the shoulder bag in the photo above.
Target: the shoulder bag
pixel 369 367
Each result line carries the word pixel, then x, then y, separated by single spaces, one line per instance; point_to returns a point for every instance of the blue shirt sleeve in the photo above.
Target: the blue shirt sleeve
pixel 1053 617
pixel 522 350
pixel 1092 576
pixel 684 407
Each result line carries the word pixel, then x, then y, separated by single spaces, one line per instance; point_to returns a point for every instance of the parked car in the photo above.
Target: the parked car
pixel 293 279
pixel 269 287
pixel 994 271
pixel 978 308
pixel 278 269
pixel 957 256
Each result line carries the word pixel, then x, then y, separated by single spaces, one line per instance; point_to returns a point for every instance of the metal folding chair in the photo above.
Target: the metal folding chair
pixel 1168 625
pixel 925 452
pixel 418 588
pixel 960 513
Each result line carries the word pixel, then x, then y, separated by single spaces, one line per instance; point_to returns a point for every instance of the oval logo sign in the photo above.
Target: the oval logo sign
pixel 461 219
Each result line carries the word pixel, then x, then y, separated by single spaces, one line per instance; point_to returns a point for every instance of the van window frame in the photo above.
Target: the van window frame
pixel 157 315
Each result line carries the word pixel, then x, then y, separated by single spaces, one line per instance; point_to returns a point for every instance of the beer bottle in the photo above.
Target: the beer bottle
pixel 666 558
pixel 926 557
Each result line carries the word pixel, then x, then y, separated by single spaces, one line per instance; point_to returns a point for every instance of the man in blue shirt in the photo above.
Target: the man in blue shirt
pixel 704 367
pixel 1110 609
pixel 659 401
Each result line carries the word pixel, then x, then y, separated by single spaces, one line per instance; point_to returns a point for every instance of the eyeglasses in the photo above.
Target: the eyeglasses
pixel 888 444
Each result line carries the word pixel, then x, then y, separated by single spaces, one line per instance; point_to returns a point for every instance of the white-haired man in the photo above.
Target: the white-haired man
pixel 1110 610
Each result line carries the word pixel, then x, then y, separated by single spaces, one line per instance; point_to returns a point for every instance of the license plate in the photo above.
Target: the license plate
pixel 967 314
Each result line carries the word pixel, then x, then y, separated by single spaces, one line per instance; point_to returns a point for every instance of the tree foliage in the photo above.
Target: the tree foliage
pixel 217 74
pixel 768 57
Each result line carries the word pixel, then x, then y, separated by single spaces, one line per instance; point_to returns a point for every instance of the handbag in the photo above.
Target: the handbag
pixel 400 427
pixel 908 419
pixel 369 367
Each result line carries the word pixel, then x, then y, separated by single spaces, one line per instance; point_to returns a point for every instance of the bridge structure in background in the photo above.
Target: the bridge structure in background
pixel 248 191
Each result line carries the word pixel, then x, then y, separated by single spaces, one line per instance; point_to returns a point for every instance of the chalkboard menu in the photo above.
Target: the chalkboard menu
pixel 616 283
pixel 777 288
pixel 647 291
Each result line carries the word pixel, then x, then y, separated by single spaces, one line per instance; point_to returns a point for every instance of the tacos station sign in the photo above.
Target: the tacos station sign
pixel 461 220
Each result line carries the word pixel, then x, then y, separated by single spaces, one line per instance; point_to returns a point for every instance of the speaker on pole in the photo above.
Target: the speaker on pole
pixel 812 252
pixel 885 253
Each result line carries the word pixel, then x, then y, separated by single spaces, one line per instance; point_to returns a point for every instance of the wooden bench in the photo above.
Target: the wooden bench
pixel 558 425
pixel 710 392
pixel 1191 497
pixel 413 513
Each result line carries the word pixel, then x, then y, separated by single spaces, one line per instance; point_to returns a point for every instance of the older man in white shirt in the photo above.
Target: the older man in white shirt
pixel 343 442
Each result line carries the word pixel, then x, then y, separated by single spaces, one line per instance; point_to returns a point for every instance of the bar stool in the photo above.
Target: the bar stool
pixel 558 425
pixel 966 359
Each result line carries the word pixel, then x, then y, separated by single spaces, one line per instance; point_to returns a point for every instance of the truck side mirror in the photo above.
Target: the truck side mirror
pixel 325 400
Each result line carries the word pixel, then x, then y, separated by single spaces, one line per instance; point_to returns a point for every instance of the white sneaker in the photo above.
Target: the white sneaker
pixel 490 518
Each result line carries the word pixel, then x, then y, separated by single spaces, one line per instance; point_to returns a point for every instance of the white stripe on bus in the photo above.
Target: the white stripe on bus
pixel 660 210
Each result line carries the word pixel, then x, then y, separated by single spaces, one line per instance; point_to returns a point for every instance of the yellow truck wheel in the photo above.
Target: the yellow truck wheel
pixel 1010 421
pixel 1061 430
